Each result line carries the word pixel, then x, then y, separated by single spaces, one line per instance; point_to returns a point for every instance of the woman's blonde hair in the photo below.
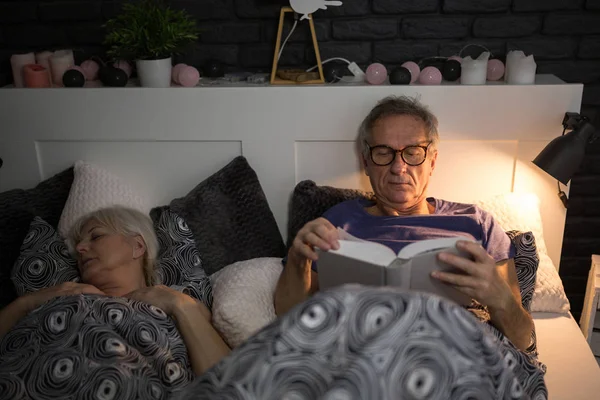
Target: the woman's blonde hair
pixel 127 222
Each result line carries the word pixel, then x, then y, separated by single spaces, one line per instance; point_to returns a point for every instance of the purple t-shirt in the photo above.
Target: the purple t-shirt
pixel 449 219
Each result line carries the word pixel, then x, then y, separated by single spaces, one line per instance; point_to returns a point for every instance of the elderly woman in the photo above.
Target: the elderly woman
pixel 398 143
pixel 116 250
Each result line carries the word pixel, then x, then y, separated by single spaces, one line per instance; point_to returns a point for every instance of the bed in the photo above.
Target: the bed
pixel 164 141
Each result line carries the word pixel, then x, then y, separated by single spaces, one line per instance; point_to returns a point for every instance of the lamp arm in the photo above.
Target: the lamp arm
pixel 567 122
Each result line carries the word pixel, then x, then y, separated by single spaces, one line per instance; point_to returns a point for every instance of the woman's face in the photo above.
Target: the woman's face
pixel 101 252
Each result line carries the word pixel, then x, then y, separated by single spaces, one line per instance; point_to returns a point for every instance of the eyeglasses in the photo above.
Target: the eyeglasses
pixel 412 155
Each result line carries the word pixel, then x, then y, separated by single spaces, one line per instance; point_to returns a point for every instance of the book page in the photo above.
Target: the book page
pixel 370 252
pixel 423 246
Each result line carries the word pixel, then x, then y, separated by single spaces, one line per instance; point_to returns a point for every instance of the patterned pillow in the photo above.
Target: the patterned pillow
pixel 18 207
pixel 44 261
pixel 179 265
pixel 310 201
pixel 526 264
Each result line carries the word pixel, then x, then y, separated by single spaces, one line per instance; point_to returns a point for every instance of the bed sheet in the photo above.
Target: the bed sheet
pixel 573 372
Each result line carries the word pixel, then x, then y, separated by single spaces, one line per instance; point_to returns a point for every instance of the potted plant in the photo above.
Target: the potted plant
pixel 150 33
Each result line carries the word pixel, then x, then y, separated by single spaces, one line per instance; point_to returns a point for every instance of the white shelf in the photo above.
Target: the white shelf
pixel 541 79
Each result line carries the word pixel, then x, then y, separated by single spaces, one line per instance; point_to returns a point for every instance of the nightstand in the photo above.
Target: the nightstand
pixel 590 316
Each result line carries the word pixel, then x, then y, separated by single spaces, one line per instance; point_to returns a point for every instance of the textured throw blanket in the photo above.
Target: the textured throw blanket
pixel 348 343
pixel 374 343
pixel 93 347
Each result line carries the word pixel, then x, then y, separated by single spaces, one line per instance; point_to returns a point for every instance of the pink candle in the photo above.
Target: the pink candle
pixel 60 62
pixel 36 76
pixel 43 59
pixel 17 62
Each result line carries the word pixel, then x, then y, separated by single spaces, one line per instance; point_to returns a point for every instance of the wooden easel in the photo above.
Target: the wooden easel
pixel 275 80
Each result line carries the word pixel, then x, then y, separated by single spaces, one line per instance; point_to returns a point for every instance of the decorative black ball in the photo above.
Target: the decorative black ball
pixel 112 76
pixel 73 78
pixel 400 76
pixel 451 70
pixel 213 69
pixel 333 72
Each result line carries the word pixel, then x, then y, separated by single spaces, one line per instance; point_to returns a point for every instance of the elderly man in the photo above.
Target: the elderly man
pixel 398 141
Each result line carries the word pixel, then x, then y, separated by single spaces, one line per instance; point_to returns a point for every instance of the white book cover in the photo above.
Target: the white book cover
pixel 369 263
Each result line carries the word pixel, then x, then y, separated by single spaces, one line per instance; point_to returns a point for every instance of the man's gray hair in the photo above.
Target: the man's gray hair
pixel 397 105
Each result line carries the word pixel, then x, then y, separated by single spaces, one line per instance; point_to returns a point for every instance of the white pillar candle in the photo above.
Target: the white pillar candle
pixel 17 62
pixel 520 69
pixel 60 62
pixel 43 59
pixel 474 72
pixel 511 57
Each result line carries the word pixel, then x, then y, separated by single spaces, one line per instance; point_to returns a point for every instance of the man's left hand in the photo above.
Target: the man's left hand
pixel 481 279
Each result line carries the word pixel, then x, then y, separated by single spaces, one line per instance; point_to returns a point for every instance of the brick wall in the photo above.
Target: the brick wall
pixel 564 35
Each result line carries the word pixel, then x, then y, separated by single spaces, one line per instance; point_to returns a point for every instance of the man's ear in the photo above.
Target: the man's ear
pixel 433 161
pixel 139 247
pixel 365 164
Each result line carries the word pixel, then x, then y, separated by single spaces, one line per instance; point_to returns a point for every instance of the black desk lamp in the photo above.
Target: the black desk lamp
pixel 562 157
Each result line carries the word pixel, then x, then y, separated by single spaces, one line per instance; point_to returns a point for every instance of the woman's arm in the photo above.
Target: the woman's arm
pixel 12 313
pixel 205 346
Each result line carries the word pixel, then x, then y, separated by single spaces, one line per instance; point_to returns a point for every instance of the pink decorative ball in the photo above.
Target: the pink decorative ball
pixel 90 70
pixel 188 76
pixel 495 70
pixel 430 76
pixel 457 58
pixel 78 68
pixel 175 72
pixel 376 74
pixel 414 69
pixel 125 66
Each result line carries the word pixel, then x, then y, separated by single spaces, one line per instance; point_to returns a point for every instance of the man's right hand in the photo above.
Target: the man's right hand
pixel 316 233
pixel 33 300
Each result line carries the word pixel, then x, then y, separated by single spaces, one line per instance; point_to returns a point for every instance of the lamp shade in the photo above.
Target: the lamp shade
pixel 562 156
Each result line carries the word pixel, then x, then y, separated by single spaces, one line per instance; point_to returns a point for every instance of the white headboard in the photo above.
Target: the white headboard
pixel 165 141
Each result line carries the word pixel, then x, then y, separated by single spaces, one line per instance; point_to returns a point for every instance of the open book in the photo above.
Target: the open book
pixel 370 263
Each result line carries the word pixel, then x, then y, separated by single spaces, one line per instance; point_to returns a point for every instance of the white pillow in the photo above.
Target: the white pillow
pixel 243 298
pixel 521 211
pixel 95 188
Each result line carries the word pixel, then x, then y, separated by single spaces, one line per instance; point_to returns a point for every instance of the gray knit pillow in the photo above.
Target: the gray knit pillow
pixel 310 201
pixel 230 217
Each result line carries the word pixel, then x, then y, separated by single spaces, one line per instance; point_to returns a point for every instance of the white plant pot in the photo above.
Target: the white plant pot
pixel 154 73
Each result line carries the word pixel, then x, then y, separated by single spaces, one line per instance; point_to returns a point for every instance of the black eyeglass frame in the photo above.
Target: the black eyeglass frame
pixel 395 152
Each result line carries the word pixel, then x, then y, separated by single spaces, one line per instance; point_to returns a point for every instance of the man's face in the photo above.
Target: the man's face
pixel 400 185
